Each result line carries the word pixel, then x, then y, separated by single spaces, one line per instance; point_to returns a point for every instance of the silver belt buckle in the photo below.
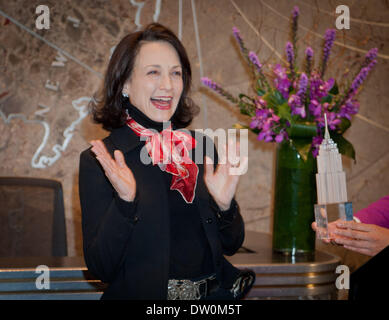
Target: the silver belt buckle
pixel 185 289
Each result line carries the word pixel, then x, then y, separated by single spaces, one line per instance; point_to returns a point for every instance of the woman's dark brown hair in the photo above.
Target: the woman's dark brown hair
pixel 108 108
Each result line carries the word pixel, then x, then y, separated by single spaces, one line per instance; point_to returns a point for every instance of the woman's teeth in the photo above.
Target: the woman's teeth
pixel 162 99
pixel 162 103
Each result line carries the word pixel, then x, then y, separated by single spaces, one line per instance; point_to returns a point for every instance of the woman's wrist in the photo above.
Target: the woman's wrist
pixel 224 207
pixel 126 198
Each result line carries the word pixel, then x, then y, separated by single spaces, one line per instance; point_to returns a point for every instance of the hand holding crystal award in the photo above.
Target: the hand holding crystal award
pixel 332 201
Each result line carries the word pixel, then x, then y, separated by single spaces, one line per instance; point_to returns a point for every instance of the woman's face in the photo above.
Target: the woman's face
pixel 155 85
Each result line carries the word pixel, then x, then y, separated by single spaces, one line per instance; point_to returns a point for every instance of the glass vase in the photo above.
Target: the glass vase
pixel 294 197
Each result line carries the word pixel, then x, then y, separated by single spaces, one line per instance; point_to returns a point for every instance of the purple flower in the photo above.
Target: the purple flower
pixel 290 57
pixel 370 56
pixel 294 23
pixel 359 79
pixel 316 141
pixel 209 83
pixel 309 57
pixel 299 111
pixel 349 108
pixel 268 138
pixel 296 106
pixel 281 81
pixel 329 84
pixel 332 119
pixel 214 86
pixel 309 53
pixel 329 39
pixel 236 33
pixel 254 59
pixel 302 88
pixel 295 12
pixel 239 39
pixel 281 136
pixel 362 75
pixel 294 101
pixel 279 71
pixel 318 87
pixel 264 135
pixel 259 118
pixel 265 120
pixel 315 108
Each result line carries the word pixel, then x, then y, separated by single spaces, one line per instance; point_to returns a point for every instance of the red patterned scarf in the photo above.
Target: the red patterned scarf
pixel 170 150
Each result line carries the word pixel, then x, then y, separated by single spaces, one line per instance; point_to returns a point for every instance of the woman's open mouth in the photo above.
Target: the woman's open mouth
pixel 162 103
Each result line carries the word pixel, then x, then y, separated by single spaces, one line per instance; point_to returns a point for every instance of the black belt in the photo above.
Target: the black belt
pixel 192 290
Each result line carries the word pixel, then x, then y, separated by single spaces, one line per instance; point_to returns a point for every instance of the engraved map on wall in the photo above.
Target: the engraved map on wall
pixel 39 117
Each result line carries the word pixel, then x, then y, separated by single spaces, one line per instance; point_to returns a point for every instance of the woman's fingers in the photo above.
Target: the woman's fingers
pixel 359 250
pixel 349 233
pixel 243 166
pixel 119 158
pixel 353 242
pixel 116 170
pixel 208 168
pixel 103 150
pixel 99 148
pixel 354 225
pixel 233 153
pixel 222 152
pixel 109 165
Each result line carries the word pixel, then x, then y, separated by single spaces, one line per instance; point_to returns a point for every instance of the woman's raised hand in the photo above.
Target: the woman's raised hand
pixel 116 170
pixel 222 183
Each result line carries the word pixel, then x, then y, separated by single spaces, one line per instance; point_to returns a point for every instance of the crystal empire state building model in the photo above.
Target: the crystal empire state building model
pixel 332 201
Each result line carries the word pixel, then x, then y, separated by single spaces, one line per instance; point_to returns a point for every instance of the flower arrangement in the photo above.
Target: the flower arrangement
pixel 291 102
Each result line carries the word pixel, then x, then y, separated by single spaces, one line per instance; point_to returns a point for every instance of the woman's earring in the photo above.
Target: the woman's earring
pixel 125 95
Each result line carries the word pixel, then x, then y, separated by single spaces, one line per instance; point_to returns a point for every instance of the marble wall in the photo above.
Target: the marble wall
pixel 44 123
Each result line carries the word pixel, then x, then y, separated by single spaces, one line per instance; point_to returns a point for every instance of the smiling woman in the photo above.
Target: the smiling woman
pixel 156 84
pixel 132 65
pixel 157 229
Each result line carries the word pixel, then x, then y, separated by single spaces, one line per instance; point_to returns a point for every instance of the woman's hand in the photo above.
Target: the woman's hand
pixel 116 170
pixel 221 183
pixel 364 238
pixel 331 228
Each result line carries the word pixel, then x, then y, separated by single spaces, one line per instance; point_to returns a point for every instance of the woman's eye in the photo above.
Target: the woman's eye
pixel 177 73
pixel 152 72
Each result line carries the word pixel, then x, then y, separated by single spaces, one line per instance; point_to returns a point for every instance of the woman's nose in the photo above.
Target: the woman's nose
pixel 166 82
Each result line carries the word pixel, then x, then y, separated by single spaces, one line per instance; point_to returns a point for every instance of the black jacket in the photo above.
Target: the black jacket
pixel 126 244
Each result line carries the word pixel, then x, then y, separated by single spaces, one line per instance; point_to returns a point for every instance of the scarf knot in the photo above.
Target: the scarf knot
pixel 170 151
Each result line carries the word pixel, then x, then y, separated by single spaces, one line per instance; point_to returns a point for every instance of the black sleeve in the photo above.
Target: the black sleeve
pixel 230 222
pixel 107 220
